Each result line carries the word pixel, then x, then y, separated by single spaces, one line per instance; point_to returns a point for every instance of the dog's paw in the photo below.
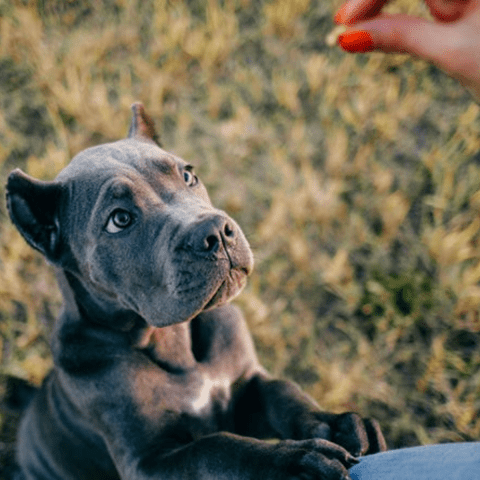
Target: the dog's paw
pixel 358 435
pixel 314 459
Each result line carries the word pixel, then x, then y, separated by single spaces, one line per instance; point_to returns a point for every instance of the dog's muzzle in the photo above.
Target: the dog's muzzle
pixel 217 243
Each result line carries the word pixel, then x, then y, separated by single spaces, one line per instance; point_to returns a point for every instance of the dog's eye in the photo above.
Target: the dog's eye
pixel 119 220
pixel 190 178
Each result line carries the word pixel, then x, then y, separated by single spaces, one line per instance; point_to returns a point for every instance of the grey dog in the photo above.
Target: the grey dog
pixel 156 375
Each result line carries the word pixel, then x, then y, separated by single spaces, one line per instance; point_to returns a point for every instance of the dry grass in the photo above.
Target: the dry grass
pixel 355 178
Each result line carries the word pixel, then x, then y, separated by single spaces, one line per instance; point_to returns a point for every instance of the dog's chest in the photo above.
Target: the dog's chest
pixel 184 383
pixel 211 395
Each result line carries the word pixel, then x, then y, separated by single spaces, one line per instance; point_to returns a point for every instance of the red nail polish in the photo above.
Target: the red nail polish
pixel 356 42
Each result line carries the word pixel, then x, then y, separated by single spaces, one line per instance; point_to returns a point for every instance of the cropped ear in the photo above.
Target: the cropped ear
pixel 142 126
pixel 33 206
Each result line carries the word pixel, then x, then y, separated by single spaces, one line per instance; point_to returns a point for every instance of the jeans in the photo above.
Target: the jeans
pixel 452 461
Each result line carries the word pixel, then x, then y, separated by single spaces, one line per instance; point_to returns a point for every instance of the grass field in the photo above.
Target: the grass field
pixel 355 178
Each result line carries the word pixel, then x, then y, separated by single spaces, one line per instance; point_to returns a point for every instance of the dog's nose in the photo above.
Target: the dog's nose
pixel 213 234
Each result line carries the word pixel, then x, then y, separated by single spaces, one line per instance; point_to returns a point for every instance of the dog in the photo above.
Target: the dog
pixel 155 373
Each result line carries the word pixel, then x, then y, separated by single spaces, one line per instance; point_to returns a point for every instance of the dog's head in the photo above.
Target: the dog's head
pixel 134 230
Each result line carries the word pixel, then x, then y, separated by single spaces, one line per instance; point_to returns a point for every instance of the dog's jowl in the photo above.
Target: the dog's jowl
pixel 155 372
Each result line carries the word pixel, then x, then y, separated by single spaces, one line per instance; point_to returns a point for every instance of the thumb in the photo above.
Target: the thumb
pixel 455 47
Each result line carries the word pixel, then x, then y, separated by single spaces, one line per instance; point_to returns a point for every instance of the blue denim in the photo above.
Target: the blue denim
pixel 453 461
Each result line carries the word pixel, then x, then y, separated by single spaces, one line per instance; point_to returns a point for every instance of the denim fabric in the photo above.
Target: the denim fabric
pixel 453 461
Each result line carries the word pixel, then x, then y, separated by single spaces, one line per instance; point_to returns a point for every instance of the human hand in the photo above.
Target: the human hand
pixel 452 42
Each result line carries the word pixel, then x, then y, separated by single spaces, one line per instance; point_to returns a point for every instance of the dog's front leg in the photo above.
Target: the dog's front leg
pixel 221 456
pixel 226 456
pixel 280 409
pixel 150 434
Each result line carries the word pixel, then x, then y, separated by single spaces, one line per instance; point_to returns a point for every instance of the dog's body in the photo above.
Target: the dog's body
pixel 155 375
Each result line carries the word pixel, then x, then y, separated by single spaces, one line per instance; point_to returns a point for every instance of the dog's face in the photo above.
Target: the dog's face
pixel 132 207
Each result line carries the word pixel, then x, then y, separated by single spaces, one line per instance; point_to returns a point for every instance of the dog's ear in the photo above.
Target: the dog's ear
pixel 33 206
pixel 142 126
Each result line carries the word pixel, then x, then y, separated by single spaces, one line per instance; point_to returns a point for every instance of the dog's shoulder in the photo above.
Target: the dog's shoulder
pixel 223 333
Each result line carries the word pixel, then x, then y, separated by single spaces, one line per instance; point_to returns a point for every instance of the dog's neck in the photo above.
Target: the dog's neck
pixel 170 347
pixel 80 303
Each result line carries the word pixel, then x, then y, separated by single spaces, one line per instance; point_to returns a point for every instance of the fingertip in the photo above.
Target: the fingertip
pixel 340 17
pixel 447 11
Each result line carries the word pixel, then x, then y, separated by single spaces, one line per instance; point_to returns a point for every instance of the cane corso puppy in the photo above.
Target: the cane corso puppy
pixel 156 375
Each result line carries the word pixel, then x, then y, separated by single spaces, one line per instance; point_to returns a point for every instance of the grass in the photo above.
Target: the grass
pixel 356 179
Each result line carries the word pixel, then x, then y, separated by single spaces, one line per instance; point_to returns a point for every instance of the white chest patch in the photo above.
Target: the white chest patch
pixel 210 391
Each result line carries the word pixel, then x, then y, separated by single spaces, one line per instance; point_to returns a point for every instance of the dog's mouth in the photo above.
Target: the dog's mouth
pixel 229 288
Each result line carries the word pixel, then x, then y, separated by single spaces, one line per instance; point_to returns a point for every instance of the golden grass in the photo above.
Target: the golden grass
pixel 355 178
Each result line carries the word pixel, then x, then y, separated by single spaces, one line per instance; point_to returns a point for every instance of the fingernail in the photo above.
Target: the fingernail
pixel 340 16
pixel 356 42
